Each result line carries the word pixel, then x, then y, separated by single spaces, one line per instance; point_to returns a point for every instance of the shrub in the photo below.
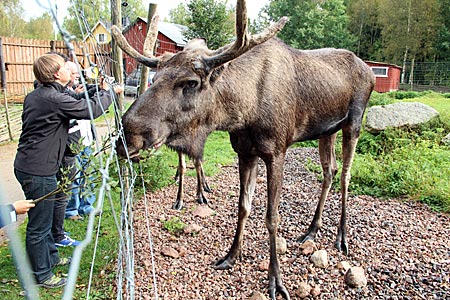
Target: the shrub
pixel 380 99
pixel 175 226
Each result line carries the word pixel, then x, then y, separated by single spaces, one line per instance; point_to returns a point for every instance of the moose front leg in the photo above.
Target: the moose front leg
pixel 181 170
pixel 329 167
pixel 202 185
pixel 248 169
pixel 274 185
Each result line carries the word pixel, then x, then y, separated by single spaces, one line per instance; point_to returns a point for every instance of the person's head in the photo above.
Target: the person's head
pixel 51 68
pixel 74 74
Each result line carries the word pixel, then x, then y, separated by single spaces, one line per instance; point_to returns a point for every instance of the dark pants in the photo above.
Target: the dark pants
pixel 39 241
pixel 61 199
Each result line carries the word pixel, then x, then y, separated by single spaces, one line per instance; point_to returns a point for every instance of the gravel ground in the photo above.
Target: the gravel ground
pixel 403 247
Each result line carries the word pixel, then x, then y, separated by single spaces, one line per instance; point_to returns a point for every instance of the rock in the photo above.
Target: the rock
pixel 258 296
pixel 182 251
pixel 315 292
pixel 203 211
pixel 281 245
pixel 355 277
pixel 192 228
pixel 446 140
pixel 260 179
pixel 303 290
pixel 308 247
pixel 343 265
pixel 264 265
pixel 170 252
pixel 398 115
pixel 320 259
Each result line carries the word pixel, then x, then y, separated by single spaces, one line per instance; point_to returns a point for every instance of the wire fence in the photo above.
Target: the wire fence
pixel 421 76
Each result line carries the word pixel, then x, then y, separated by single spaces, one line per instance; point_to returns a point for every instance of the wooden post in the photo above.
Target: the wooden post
pixel 8 123
pixel 117 56
pixel 147 52
pixel 2 65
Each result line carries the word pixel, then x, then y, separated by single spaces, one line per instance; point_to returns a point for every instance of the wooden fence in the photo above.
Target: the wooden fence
pixel 17 56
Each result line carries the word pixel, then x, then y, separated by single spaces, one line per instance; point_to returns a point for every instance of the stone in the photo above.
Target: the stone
pixel 398 115
pixel 355 277
pixel 264 265
pixel 320 259
pixel 343 265
pixel 192 228
pixel 446 140
pixel 258 296
pixel 315 292
pixel 308 247
pixel 303 290
pixel 170 252
pixel 281 245
pixel 203 211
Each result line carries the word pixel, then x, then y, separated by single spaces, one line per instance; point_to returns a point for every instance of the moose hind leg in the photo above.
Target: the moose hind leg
pixel 181 170
pixel 202 185
pixel 349 141
pixel 248 169
pixel 329 168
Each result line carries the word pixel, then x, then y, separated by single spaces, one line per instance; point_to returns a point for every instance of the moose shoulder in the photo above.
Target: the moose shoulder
pixel 267 95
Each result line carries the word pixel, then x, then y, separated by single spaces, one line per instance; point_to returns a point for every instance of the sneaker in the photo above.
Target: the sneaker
pixel 64 261
pixel 67 242
pixel 75 218
pixel 53 282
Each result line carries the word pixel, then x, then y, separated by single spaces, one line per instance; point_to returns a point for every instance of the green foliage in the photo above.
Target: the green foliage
pixel 175 226
pixel 380 99
pixel 312 24
pixel 179 15
pixel 212 20
pixel 40 27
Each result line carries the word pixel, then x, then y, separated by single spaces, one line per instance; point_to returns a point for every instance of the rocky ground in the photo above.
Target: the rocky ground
pixel 403 247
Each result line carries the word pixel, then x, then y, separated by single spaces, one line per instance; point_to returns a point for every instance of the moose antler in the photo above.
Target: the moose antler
pixel 149 43
pixel 244 41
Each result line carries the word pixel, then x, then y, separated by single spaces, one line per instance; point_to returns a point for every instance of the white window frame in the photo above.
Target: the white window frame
pixel 101 35
pixel 386 71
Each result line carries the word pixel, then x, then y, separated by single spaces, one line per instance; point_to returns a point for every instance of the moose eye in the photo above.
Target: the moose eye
pixel 192 84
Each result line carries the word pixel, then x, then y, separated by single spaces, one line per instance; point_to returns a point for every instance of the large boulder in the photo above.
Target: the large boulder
pixel 398 115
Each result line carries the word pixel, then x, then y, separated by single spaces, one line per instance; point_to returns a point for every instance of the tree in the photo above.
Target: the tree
pixel 83 15
pixel 365 26
pixel 313 23
pixel 179 15
pixel 40 27
pixel 212 20
pixel 11 18
pixel 443 40
pixel 410 30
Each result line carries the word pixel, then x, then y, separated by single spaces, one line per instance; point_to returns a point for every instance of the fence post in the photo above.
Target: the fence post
pixel 2 65
pixel 8 124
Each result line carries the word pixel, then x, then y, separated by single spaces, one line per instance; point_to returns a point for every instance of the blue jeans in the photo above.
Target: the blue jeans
pixel 39 241
pixel 82 198
pixel 61 199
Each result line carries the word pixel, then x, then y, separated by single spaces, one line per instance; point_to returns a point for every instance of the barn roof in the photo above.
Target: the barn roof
pixel 171 30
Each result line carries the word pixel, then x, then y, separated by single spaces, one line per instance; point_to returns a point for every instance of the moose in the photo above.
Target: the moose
pixel 267 95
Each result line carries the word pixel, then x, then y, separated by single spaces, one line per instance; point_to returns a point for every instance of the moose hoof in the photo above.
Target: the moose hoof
pixel 178 205
pixel 207 189
pixel 202 199
pixel 307 237
pixel 281 290
pixel 223 264
pixel 341 246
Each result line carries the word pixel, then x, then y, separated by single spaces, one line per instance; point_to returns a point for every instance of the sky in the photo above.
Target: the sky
pixel 35 8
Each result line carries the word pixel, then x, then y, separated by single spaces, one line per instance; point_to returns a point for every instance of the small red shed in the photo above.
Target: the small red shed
pixel 387 76
pixel 170 39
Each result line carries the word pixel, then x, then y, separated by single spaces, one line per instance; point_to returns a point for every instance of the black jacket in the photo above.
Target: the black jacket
pixel 45 122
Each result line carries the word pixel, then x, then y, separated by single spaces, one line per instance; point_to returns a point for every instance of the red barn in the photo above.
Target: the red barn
pixel 170 39
pixel 387 76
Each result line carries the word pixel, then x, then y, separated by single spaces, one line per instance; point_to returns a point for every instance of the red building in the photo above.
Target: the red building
pixel 387 76
pixel 170 39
